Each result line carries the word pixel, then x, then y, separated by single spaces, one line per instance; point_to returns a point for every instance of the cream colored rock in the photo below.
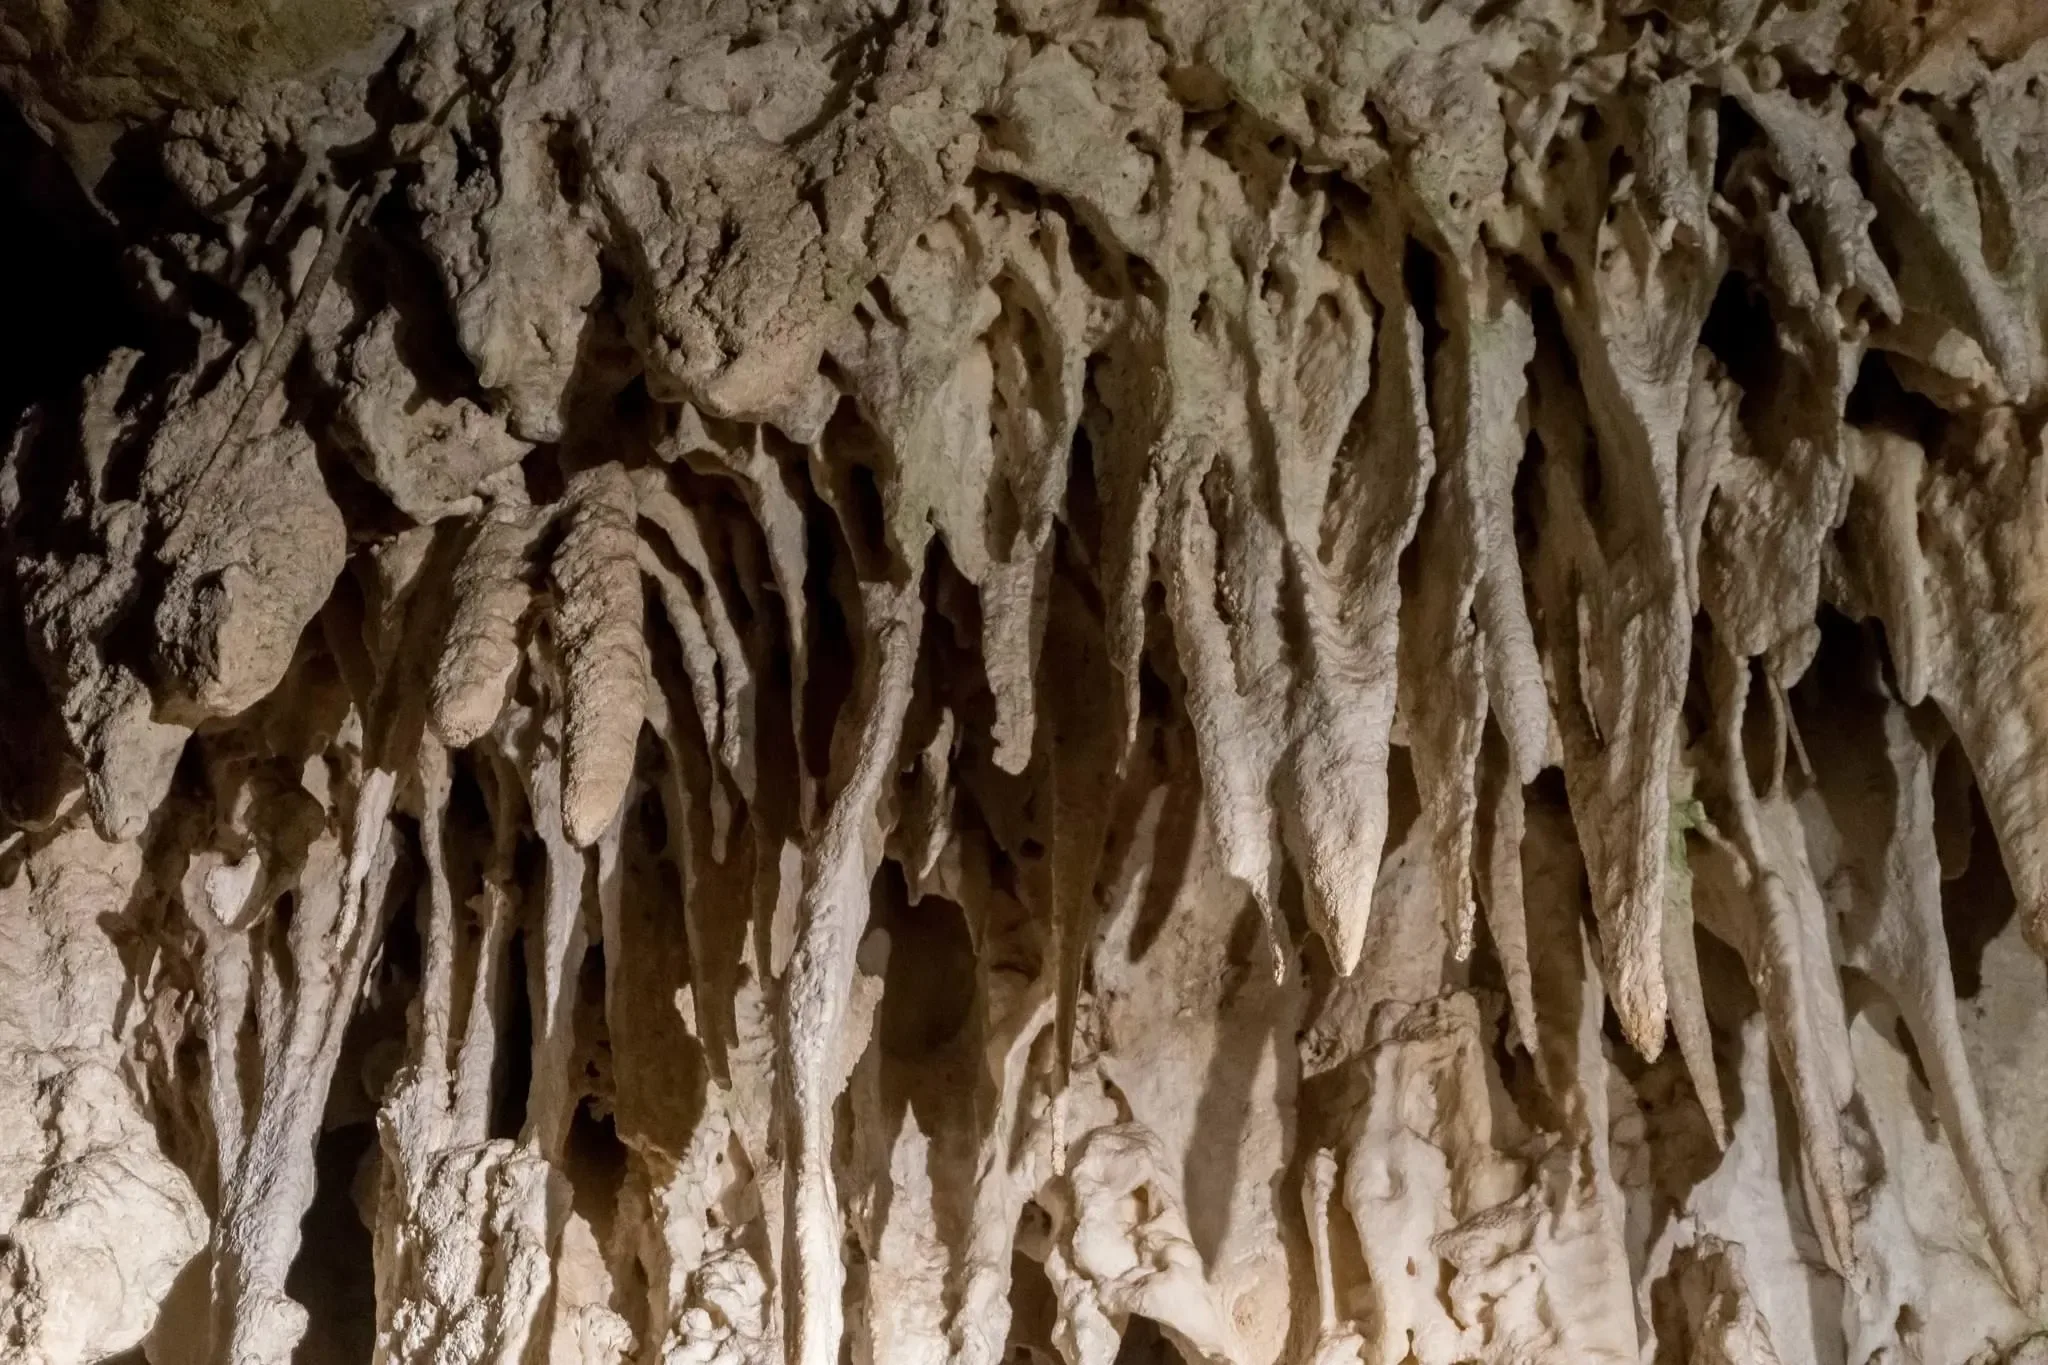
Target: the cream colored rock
pixel 1031 681
pixel 98 1221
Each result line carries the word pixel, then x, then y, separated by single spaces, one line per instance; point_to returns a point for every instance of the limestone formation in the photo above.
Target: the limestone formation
pixel 939 682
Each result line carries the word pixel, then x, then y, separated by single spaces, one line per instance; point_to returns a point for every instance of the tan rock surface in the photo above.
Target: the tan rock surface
pixel 968 681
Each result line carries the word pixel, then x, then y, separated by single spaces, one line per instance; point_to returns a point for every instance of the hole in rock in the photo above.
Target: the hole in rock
pixel 596 1165
pixel 63 270
pixel 1034 1310
pixel 928 987
pixel 1740 333
pixel 1976 906
pixel 512 1074
pixel 1145 1344
pixel 333 1274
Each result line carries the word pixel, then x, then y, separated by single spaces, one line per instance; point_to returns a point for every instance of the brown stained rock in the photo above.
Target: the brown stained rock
pixel 793 681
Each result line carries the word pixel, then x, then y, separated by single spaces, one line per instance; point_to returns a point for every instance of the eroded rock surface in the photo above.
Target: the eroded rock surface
pixel 970 681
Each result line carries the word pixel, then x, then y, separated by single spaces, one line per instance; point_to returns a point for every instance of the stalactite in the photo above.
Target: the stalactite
pixel 986 681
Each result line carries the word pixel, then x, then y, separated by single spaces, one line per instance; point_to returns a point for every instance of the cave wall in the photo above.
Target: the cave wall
pixel 968 681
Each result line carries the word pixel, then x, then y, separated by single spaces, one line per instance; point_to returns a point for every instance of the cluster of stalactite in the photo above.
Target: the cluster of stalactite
pixel 1044 681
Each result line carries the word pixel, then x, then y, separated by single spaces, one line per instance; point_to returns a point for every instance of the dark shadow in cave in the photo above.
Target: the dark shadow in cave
pixel 62 281
pixel 333 1275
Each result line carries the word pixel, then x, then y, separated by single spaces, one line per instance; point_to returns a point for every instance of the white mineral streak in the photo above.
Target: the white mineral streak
pixel 995 682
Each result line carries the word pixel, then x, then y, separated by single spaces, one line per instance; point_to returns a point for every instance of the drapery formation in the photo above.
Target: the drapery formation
pixel 1292 682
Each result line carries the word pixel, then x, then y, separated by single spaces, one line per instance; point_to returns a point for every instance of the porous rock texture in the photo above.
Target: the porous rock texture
pixel 939 682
